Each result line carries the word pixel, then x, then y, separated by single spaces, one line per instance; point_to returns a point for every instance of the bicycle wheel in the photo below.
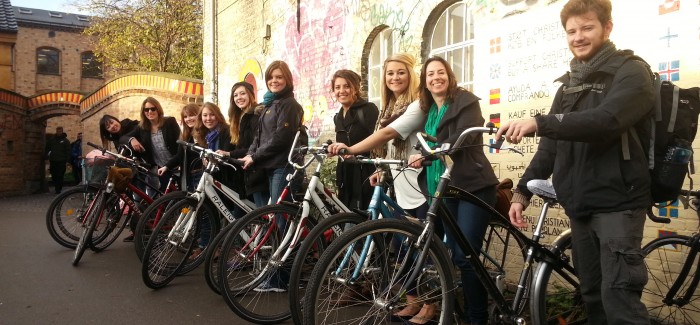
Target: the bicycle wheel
pixel 253 285
pixel 340 292
pixel 65 215
pixel 310 251
pixel 211 259
pixel 666 257
pixel 150 217
pixel 503 255
pixel 209 223
pixel 171 243
pixel 109 228
pixel 92 218
pixel 556 297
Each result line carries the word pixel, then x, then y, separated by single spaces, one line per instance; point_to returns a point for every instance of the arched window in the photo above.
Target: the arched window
pixel 383 46
pixel 453 40
pixel 90 65
pixel 48 61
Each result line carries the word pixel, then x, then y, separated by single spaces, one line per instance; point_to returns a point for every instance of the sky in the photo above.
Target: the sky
pixel 53 5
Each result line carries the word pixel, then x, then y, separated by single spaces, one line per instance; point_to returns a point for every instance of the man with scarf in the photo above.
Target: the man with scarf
pixel 604 191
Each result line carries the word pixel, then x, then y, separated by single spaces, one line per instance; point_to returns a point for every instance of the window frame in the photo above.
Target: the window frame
pixel 39 70
pixel 387 44
pixel 95 60
pixel 465 46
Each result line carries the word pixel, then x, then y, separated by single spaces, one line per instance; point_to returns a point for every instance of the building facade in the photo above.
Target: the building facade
pixel 508 52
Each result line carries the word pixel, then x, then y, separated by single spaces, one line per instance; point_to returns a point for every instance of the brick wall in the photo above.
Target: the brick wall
pixel 69 44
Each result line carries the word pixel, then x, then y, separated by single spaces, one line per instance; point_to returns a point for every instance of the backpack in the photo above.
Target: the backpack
pixel 674 124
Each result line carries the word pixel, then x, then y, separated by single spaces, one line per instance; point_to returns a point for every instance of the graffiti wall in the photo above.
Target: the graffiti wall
pixel 519 50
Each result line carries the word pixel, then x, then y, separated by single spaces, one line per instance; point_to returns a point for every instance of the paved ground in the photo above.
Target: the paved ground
pixel 38 284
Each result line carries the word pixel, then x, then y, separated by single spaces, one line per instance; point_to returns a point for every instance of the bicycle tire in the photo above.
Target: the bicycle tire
pixel 206 212
pixel 92 218
pixel 150 217
pixel 211 259
pixel 672 252
pixel 164 255
pixel 507 254
pixel 248 265
pixel 556 299
pixel 64 217
pixel 309 251
pixel 109 224
pixel 332 298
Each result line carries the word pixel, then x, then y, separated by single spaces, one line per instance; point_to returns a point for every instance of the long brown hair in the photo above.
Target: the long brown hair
pixel 145 122
pixel 189 110
pixel 235 113
pixel 286 73
pixel 202 130
pixel 352 78
pixel 426 98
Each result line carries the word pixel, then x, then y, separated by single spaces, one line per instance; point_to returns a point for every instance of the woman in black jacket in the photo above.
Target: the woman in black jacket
pixel 353 123
pixel 111 129
pixel 156 137
pixel 243 118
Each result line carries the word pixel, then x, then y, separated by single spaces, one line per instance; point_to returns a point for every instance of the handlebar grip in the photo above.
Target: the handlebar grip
pixel 656 219
pixel 94 145
pixel 343 151
pixel 429 137
pixel 234 161
pixel 426 163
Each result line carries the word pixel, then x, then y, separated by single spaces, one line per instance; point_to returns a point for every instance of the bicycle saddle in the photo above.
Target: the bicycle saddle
pixel 543 188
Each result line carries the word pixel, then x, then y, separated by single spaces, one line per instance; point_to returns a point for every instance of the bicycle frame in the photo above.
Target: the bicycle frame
pixel 535 251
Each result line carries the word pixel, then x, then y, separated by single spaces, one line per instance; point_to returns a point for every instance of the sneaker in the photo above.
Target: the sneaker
pixel 267 286
pixel 129 238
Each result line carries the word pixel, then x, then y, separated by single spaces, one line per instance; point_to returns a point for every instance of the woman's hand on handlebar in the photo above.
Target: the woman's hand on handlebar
pixel 334 148
pixel 415 160
pixel 162 170
pixel 224 153
pixel 516 215
pixel 375 177
pixel 137 145
pixel 247 161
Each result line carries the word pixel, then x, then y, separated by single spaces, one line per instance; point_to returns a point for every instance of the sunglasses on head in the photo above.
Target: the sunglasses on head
pixel 152 109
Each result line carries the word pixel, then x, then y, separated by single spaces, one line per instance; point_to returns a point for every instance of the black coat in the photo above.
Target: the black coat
pixel 472 170
pixel 581 142
pixel 255 178
pixel 171 133
pixel 278 125
pixel 352 179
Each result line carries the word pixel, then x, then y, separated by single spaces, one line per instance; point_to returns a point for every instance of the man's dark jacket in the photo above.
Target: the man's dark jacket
pixel 581 141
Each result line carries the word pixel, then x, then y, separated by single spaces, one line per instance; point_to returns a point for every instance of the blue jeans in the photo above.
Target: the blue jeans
pixel 472 222
pixel 261 198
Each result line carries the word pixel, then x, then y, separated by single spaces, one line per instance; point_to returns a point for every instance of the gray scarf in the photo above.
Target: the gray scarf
pixel 580 70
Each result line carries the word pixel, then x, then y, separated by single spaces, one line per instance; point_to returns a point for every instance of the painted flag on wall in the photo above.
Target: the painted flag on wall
pixel 670 210
pixel 495 96
pixel 670 70
pixel 495 45
pixel 669 6
pixel 492 150
pixel 666 233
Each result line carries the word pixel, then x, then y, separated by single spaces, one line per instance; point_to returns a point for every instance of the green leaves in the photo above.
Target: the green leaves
pixel 148 35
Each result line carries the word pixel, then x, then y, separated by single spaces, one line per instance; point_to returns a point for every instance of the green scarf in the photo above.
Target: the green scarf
pixel 437 168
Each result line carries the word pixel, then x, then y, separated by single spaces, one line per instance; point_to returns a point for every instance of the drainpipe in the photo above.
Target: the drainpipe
pixel 215 52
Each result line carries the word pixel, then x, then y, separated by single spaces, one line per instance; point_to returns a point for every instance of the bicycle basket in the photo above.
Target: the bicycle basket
pixel 95 167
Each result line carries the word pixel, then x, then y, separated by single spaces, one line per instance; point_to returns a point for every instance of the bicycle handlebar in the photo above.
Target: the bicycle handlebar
pixel 139 165
pixel 315 151
pixel 212 154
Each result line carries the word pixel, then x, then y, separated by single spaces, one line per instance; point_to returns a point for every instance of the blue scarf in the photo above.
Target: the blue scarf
pixel 212 139
pixel 268 98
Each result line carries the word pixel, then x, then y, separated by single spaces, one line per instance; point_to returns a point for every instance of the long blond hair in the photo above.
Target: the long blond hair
pixel 235 113
pixel 411 93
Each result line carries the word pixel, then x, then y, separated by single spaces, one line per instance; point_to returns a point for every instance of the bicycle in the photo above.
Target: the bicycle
pixel 381 277
pixel 170 245
pixel 256 251
pixel 671 294
pixel 108 207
